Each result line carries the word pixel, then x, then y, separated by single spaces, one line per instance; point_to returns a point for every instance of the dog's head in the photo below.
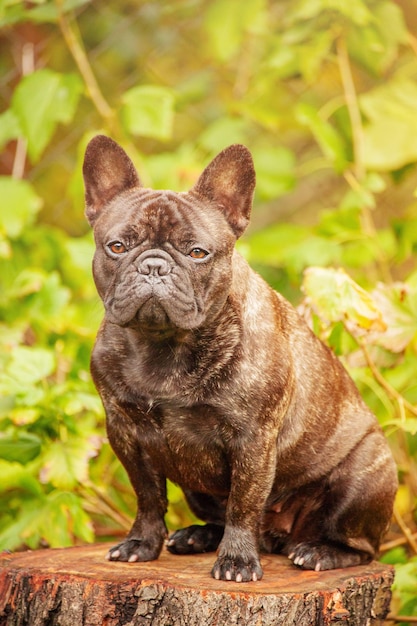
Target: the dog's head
pixel 163 259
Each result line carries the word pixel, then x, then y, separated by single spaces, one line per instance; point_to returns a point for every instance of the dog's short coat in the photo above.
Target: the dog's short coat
pixel 211 379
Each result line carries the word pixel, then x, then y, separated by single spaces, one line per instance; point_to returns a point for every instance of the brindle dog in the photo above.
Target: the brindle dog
pixel 211 379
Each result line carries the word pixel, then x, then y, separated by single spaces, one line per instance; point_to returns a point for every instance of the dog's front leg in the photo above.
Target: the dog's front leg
pixel 252 476
pixel 145 539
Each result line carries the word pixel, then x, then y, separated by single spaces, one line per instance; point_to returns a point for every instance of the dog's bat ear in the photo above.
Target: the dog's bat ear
pixel 107 171
pixel 229 181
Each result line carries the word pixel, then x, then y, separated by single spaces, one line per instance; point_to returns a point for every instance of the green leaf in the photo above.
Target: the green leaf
pixel 335 297
pixel 15 476
pixel 324 133
pixel 342 224
pixel 9 127
pixel 223 132
pixel 355 10
pixel 56 519
pixel 38 11
pixel 376 44
pixel 18 207
pixel 30 365
pixel 47 11
pixel 66 462
pixel 228 21
pixel 390 134
pixel 24 527
pixel 64 519
pixel 49 300
pixel 398 305
pixel 22 447
pixel 313 250
pixel 270 245
pixel 275 171
pixel 41 101
pixel 148 110
pixel 394 556
pixel 405 576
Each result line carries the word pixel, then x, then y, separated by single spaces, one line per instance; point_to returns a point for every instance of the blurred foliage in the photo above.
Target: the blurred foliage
pixel 324 93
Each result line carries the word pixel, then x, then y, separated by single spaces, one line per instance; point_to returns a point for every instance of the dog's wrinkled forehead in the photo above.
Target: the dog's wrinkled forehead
pixel 160 212
pixel 158 216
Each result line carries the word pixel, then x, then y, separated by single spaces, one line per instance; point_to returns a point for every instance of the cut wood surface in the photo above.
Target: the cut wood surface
pixel 78 587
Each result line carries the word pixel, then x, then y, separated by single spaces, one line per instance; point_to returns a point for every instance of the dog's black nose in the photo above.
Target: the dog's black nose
pixel 154 266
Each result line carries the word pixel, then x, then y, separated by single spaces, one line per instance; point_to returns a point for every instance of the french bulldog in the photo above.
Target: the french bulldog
pixel 210 379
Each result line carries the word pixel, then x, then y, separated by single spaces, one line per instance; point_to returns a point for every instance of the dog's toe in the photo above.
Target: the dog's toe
pixel 195 539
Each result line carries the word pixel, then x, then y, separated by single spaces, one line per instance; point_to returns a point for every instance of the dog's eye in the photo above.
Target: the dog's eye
pixel 117 247
pixel 198 253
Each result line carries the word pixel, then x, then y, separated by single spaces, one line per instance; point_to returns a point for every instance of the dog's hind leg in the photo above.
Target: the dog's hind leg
pixel 355 511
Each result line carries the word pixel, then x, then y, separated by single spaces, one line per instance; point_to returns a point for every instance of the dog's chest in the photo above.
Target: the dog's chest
pixel 190 445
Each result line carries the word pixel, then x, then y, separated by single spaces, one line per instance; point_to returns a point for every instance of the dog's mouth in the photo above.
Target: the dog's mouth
pixel 152 314
pixel 151 321
pixel 155 309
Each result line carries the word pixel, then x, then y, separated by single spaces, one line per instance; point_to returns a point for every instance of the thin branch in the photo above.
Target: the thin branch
pixel 352 106
pixel 412 40
pixel 401 619
pixel 405 530
pixel 28 67
pixel 107 507
pixel 355 179
pixel 391 391
pixel 80 58
pixel 395 543
pixel 19 161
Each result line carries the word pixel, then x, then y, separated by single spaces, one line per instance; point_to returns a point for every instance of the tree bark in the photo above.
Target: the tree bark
pixel 78 587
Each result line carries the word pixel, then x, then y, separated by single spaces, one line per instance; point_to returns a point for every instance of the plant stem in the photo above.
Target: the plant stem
pixel 395 543
pixel 28 67
pixel 352 106
pixel 391 391
pixel 356 178
pixel 104 505
pixel 84 67
pixel 405 530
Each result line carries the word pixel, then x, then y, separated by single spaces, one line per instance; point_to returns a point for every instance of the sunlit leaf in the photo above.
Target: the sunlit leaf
pixel 314 249
pixel 23 477
pixel 18 207
pixel 23 529
pixel 22 447
pixel 275 171
pixel 406 575
pixel 223 132
pixel 355 10
pixel 66 462
pixel 375 45
pixel 271 245
pixel 41 101
pixel 336 297
pixel 148 110
pixel 227 22
pixel 30 365
pixel 9 127
pixel 14 11
pixel 64 520
pixel 390 132
pixel 325 134
pixel 398 306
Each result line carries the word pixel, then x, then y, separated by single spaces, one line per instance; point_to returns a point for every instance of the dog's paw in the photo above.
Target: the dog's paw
pixel 238 569
pixel 195 539
pixel 321 556
pixel 132 550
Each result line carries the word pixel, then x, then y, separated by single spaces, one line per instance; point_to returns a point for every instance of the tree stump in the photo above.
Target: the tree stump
pixel 78 587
